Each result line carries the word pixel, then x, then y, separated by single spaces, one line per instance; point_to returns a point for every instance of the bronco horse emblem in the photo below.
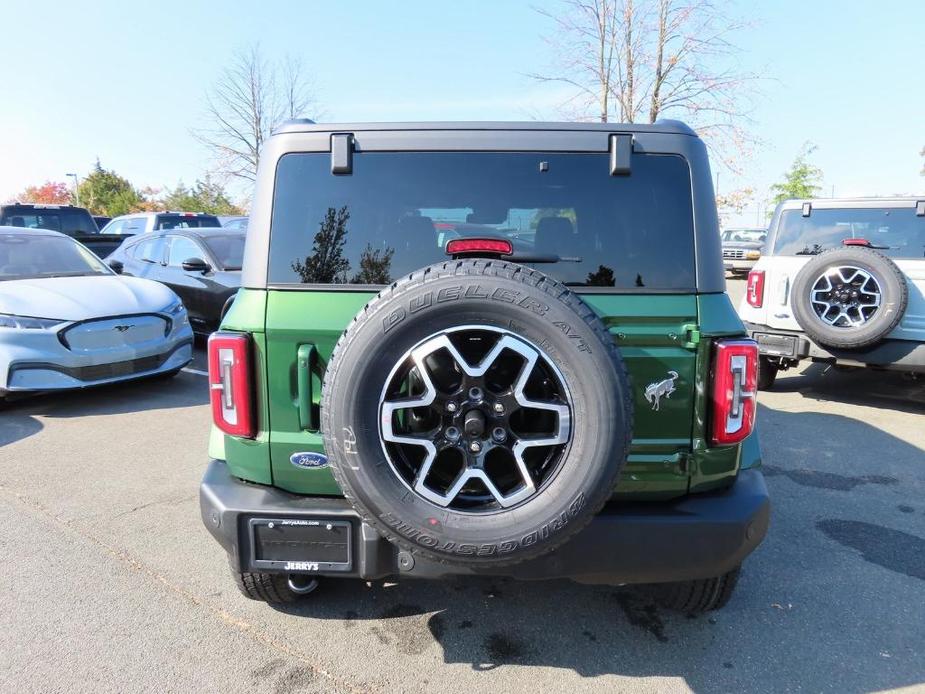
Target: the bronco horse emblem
pixel 655 391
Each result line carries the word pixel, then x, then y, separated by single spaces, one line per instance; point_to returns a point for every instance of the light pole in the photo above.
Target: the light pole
pixel 76 189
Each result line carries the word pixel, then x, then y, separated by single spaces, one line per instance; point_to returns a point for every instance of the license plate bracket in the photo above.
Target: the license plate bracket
pixel 776 345
pixel 301 544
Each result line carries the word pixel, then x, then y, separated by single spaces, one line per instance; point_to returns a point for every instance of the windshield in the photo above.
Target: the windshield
pixel 182 221
pixel 744 235
pixel 26 256
pixel 227 250
pixel 70 222
pixel 396 212
pixel 894 231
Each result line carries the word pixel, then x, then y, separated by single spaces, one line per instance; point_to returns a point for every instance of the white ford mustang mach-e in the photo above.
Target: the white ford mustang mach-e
pixel 68 321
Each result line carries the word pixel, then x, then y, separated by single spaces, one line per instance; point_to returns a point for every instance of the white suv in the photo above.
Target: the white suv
pixel 143 222
pixel 840 281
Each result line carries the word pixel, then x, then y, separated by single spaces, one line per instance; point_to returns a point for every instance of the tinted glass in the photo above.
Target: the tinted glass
pixel 151 250
pixel 228 250
pixel 114 227
pixel 745 235
pixel 896 232
pixel 396 212
pixel 71 222
pixel 25 256
pixel 182 249
pixel 179 221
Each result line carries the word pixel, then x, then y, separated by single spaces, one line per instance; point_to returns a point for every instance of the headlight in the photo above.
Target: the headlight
pixel 27 322
pixel 178 317
pixel 753 255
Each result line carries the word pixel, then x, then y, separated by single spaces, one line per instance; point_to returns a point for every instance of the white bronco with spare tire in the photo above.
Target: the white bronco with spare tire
pixel 843 282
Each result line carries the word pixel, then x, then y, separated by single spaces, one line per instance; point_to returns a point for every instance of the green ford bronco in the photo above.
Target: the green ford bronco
pixel 484 349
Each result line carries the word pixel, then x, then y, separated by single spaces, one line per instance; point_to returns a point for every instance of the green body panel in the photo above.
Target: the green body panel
pixel 295 319
pixel 656 334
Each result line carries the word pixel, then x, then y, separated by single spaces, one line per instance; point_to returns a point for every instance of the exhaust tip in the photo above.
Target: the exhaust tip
pixel 301 584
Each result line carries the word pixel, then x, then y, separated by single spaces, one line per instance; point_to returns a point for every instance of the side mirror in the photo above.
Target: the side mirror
pixel 117 266
pixel 196 265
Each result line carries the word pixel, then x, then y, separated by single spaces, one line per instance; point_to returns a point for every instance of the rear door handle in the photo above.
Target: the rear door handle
pixel 305 358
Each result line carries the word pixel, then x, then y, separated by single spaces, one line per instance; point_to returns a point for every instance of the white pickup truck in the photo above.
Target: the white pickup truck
pixel 840 281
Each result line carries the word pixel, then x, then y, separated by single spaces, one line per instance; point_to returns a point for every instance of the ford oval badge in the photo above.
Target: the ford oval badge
pixel 309 461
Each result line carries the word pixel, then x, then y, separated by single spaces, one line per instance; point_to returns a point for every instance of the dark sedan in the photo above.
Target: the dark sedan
pixel 203 266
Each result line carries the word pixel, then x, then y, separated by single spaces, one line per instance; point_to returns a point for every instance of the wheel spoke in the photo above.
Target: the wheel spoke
pixel 474 404
pixel 845 296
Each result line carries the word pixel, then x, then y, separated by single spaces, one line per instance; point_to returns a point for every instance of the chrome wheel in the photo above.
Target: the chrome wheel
pixel 475 419
pixel 845 296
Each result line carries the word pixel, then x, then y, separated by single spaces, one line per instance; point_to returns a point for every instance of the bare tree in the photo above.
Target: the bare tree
pixel 250 99
pixel 648 59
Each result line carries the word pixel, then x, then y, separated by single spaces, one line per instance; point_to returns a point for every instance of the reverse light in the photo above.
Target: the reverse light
pixel 754 290
pixel 467 246
pixel 735 385
pixel 230 391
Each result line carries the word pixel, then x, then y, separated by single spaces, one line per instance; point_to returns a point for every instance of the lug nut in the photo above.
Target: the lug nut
pixel 475 447
pixel 451 407
pixel 452 434
pixel 475 394
pixel 498 408
pixel 498 434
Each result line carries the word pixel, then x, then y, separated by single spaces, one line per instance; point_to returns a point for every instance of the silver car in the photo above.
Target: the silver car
pixel 68 321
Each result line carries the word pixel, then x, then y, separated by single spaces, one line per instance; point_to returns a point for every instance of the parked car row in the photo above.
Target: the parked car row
pixel 69 320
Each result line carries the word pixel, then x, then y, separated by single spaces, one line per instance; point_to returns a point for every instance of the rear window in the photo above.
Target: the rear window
pixel 70 222
pixel 227 250
pixel 894 231
pixel 396 212
pixel 182 221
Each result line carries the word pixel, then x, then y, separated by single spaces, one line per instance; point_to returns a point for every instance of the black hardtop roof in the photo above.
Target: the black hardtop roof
pixel 305 125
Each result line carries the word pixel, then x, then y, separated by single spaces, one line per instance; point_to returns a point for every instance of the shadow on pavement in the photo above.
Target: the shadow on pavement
pixel 787 628
pixel 18 416
pixel 881 389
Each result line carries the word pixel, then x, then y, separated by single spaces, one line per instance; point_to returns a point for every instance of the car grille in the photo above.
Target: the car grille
pixel 733 253
pixel 99 372
pixel 124 331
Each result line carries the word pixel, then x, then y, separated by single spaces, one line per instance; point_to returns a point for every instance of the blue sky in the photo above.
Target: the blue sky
pixel 125 80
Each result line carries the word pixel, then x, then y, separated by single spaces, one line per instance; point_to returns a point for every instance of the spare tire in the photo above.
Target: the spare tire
pixel 477 413
pixel 848 298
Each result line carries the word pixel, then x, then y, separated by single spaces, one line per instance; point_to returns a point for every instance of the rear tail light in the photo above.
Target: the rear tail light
pixel 230 389
pixel 735 383
pixel 754 291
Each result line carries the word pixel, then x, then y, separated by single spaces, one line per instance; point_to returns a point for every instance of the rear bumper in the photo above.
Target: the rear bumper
pixel 898 355
pixel 699 536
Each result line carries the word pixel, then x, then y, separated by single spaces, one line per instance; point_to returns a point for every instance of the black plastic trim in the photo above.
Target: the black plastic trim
pixel 698 536
pixel 136 366
pixel 891 355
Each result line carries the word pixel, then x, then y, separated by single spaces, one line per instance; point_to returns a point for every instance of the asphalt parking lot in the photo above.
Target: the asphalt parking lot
pixel 110 582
